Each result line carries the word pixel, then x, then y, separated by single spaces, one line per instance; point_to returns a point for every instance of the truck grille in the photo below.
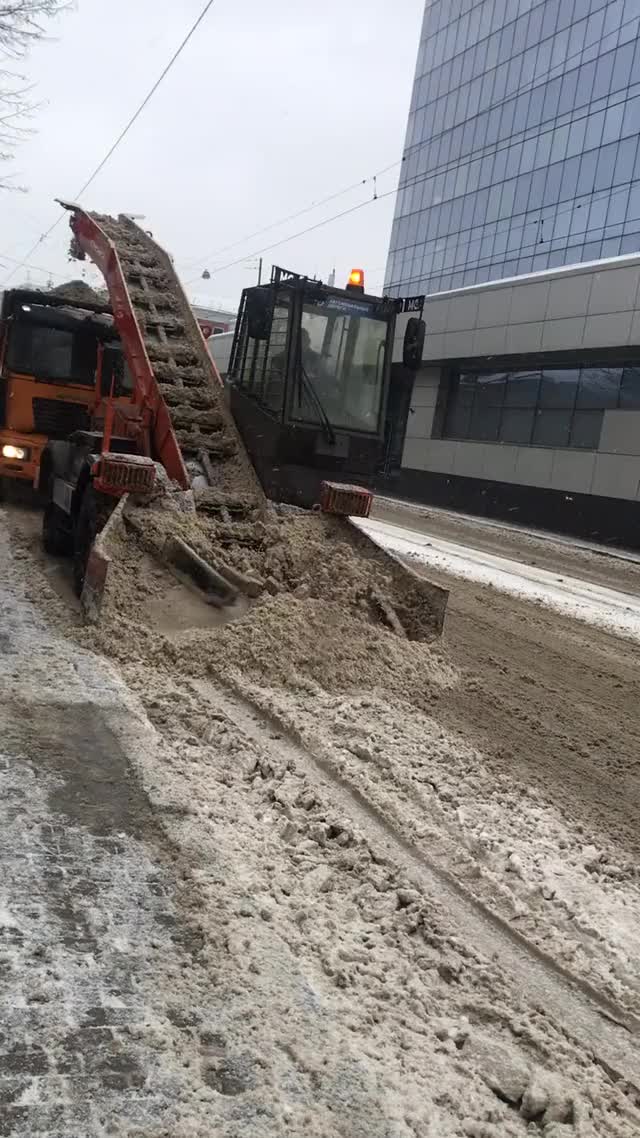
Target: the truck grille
pixel 57 419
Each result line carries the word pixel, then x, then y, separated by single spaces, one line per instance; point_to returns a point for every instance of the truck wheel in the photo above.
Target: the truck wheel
pixel 93 513
pixel 56 536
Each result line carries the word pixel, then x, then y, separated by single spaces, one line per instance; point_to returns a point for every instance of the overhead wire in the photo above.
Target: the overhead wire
pixel 361 205
pixel 5 257
pixel 421 178
pixel 123 133
pixel 136 115
pixel 200 259
pixel 479 262
pixel 409 152
pixel 453 163
pixel 513 140
pixel 417 180
pixel 301 233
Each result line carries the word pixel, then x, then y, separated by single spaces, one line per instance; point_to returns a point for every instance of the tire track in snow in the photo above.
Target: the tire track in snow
pixel 583 1014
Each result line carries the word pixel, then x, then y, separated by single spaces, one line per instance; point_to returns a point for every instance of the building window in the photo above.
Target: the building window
pixel 549 82
pixel 546 407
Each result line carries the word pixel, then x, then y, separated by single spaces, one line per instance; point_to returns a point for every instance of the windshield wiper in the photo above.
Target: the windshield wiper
pixel 329 432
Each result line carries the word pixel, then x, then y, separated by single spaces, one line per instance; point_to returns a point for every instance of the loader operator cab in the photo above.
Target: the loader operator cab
pixel 309 381
pixel 58 361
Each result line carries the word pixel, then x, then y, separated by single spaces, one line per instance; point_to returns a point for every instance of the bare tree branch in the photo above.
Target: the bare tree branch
pixel 22 24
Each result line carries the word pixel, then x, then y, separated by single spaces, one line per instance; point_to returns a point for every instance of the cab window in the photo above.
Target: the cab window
pixel 52 354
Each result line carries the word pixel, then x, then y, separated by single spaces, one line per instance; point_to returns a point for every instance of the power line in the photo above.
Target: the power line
pixel 301 233
pixel 414 149
pixel 507 255
pixel 23 263
pixel 344 213
pixel 360 205
pixel 419 179
pixel 123 133
pixel 523 136
pixel 35 268
pixel 4 257
pixel 290 217
pixel 177 53
pixel 497 186
pixel 489 259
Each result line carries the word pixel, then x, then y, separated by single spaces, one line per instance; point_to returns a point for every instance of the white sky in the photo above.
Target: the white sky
pixel 270 108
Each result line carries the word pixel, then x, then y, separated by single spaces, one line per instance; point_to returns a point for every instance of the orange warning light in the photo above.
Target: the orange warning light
pixel 356 280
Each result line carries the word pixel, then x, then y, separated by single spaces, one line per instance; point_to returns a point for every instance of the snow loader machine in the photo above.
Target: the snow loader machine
pixel 177 445
pixel 310 380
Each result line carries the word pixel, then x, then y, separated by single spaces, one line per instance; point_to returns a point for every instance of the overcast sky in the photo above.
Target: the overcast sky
pixel 270 107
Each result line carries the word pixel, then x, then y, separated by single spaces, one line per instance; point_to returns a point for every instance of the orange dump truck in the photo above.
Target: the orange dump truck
pixel 59 359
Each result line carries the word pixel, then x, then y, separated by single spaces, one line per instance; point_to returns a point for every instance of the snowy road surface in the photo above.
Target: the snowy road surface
pixel 282 910
pixel 610 609
pixel 411 510
pixel 93 982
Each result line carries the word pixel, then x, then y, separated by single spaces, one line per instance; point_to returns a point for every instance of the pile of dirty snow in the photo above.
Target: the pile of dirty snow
pixel 316 621
pixel 291 641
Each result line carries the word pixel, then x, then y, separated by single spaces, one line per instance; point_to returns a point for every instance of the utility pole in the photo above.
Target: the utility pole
pixel 260 271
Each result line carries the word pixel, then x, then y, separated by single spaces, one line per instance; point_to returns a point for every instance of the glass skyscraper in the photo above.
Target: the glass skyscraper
pixel 522 147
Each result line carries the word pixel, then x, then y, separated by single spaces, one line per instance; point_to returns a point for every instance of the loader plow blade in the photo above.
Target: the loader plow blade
pixel 189 574
pixel 97 571
pixel 412 605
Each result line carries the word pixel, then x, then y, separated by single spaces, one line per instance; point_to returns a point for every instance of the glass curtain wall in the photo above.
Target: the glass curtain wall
pixel 521 151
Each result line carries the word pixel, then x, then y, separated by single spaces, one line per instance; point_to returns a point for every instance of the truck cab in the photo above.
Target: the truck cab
pixel 58 361
pixel 309 382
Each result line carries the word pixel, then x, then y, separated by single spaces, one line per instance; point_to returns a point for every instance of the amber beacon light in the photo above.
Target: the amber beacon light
pixel 356 280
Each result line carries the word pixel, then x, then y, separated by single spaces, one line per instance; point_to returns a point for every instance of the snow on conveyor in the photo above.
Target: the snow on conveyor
pixel 610 609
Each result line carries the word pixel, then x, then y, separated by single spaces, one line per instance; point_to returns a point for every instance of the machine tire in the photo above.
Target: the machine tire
pixel 92 515
pixel 56 537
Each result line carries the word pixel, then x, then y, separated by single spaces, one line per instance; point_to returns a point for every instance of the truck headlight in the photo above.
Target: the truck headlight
pixel 19 453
